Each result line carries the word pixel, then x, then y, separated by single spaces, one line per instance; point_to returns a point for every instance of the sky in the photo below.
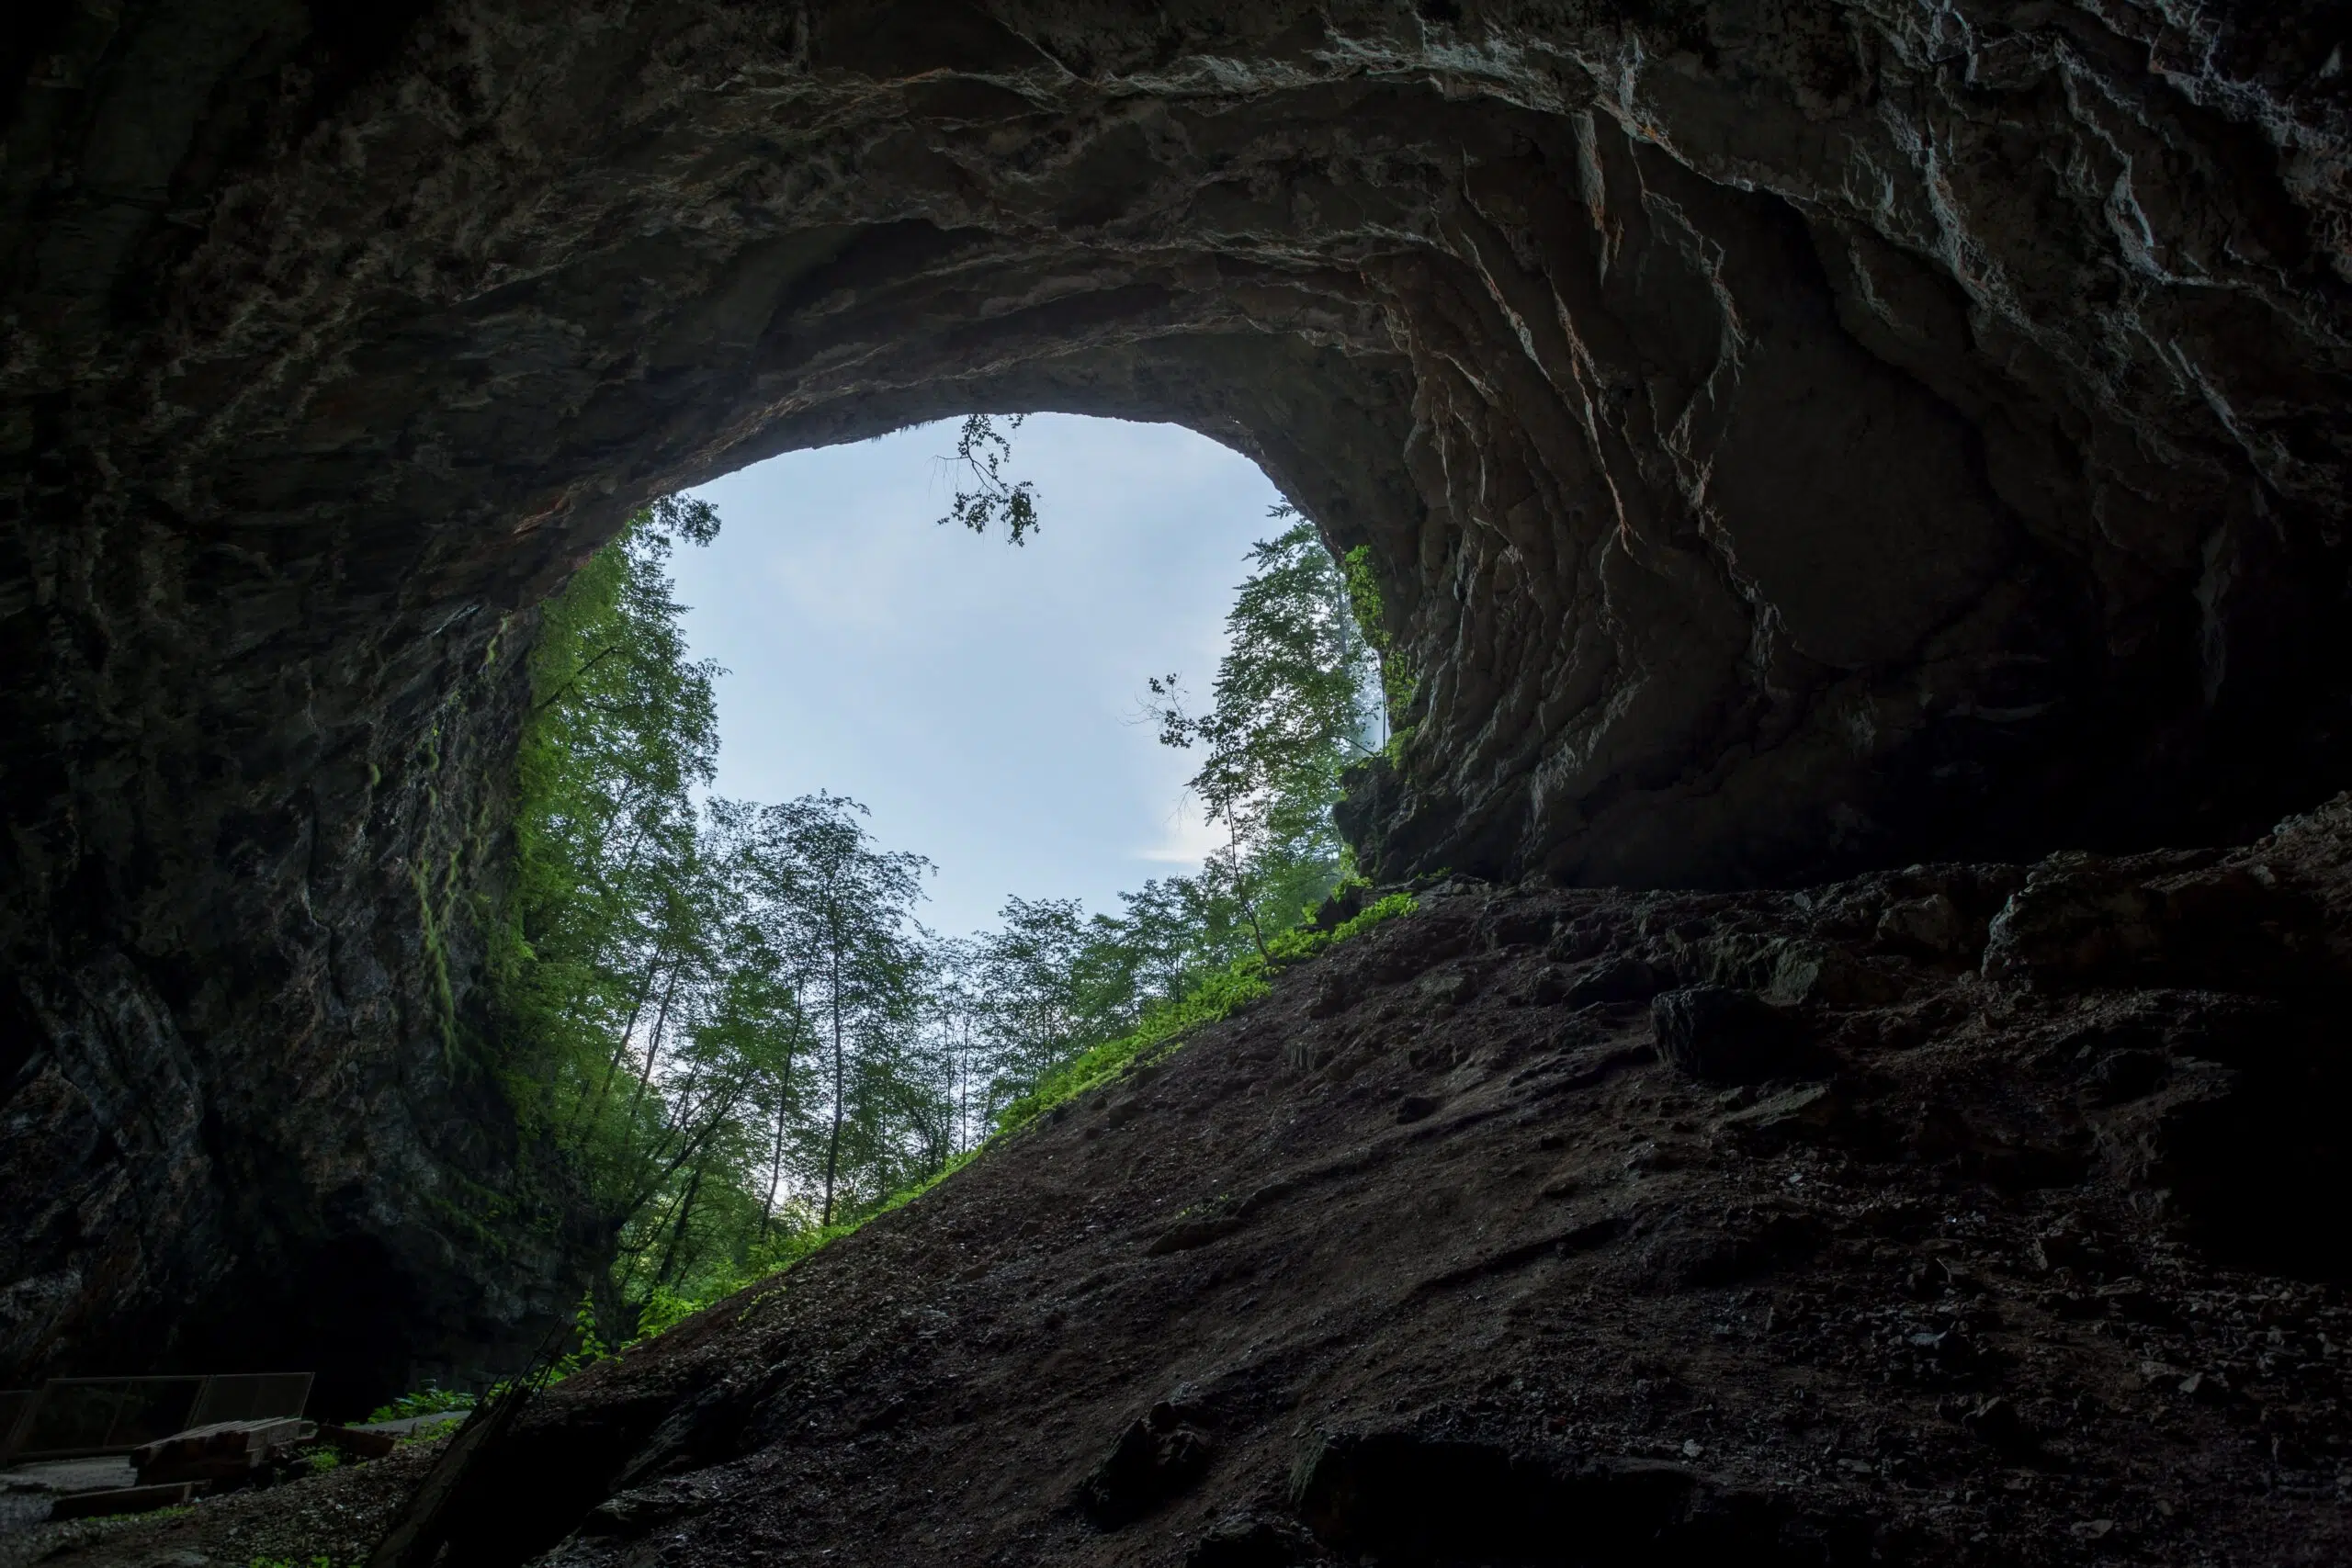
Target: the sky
pixel 981 699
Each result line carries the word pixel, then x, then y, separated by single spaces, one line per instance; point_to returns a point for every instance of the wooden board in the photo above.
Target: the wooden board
pixel 121 1500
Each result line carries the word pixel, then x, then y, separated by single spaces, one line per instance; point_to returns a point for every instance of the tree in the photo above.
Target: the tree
pixel 955 1000
pixel 1295 700
pixel 1051 982
pixel 760 1021
pixel 610 908
pixel 839 910
pixel 987 497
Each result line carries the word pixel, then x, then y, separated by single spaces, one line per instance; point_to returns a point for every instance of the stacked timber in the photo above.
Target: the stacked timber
pixel 224 1452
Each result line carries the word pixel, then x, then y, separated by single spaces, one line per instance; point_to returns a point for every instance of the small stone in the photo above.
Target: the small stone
pixel 1997 1422
pixel 1450 988
pixel 2208 1386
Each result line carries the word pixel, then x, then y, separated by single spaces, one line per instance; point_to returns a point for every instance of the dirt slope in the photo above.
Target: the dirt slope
pixel 1986 1214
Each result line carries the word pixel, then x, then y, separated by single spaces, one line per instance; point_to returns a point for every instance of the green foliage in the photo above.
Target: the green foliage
pixel 1396 682
pixel 1294 704
pixel 588 1347
pixel 709 1006
pixel 427 1400
pixel 1215 996
pixel 988 497
pixel 616 1044
pixel 836 916
pixel 664 1309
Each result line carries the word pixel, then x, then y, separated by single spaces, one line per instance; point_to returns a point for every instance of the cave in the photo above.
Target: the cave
pixel 1794 440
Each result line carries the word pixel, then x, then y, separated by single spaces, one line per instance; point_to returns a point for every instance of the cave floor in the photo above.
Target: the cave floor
pixel 2014 1232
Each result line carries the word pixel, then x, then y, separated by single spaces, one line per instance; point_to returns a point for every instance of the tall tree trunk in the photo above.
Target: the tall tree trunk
pixel 620 1046
pixel 1241 886
pixel 840 1075
pixel 678 1230
pixel 776 1155
pixel 653 1046
pixel 963 1092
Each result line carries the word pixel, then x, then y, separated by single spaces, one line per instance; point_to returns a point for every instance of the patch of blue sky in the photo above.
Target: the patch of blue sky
pixel 982 700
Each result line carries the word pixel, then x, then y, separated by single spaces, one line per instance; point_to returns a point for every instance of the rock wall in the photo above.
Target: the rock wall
pixel 1792 437
pixel 264 1131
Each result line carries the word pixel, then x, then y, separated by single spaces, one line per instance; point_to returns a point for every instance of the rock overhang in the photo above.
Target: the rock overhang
pixel 1789 438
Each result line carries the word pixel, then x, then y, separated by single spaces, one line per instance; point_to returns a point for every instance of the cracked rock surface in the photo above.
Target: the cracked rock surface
pixel 1792 438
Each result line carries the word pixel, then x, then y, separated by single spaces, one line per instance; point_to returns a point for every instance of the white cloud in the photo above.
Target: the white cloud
pixel 1187 842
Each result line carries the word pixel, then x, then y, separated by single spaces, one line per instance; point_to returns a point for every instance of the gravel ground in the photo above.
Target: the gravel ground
pixel 339 1516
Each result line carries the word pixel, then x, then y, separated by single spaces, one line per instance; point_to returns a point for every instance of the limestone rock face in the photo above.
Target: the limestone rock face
pixel 1792 436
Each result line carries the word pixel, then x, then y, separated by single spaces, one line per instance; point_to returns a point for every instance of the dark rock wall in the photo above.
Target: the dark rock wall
pixel 1794 436
pixel 260 1127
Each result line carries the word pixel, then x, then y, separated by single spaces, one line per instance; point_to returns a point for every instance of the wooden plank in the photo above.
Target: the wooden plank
pixel 121 1500
pixel 251 1397
pixel 223 1450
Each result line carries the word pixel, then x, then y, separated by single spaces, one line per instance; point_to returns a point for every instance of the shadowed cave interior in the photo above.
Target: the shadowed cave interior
pixel 1795 442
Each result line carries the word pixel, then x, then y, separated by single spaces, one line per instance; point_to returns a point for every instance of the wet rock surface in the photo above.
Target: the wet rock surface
pixel 1968 1292
pixel 1792 438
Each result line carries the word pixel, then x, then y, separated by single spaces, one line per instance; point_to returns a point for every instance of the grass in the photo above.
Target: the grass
pixel 1219 996
pixel 427 1400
